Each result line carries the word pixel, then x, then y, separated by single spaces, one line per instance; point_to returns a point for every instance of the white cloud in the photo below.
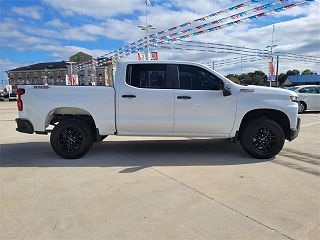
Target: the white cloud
pixel 202 6
pixel 31 12
pixel 57 23
pixel 7 64
pixel 96 8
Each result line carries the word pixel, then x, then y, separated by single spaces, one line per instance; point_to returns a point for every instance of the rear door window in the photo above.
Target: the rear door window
pixel 148 76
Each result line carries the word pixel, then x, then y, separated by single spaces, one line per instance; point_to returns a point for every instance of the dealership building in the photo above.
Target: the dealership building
pixel 84 68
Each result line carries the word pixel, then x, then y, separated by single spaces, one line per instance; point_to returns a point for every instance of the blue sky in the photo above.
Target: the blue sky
pixel 50 30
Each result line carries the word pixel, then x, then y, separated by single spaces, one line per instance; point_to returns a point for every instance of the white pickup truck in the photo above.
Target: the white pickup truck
pixel 163 98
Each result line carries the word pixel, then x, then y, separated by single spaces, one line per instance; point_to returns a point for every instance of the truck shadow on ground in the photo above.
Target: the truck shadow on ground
pixel 133 155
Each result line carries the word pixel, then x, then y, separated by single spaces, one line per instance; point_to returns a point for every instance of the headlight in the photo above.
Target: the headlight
pixel 294 99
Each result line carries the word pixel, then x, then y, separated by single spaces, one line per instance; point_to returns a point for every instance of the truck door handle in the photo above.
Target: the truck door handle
pixel 184 97
pixel 128 96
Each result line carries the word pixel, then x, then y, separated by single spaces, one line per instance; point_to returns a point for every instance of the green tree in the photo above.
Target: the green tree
pixel 245 79
pixel 293 72
pixel 307 72
pixel 282 78
pixel 234 78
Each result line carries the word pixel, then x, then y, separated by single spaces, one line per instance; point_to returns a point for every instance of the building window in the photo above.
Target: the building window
pixel 59 74
pixel 35 75
pixel 11 76
pixel 20 75
pixel 50 75
pixel 28 75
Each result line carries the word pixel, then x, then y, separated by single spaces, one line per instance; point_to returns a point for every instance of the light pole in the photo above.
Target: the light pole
pixel 271 54
pixel 46 77
pixel 146 28
pixel 271 49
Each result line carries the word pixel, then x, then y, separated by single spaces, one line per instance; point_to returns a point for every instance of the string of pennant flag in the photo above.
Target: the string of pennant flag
pixel 254 53
pixel 174 37
pixel 205 18
pixel 224 48
pixel 222 20
pixel 164 40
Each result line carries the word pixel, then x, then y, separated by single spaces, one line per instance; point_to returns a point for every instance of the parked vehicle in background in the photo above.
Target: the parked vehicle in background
pixel 308 97
pixel 2 96
pixel 5 96
pixel 162 98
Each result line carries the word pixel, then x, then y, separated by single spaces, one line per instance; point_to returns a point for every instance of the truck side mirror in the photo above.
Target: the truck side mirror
pixel 225 91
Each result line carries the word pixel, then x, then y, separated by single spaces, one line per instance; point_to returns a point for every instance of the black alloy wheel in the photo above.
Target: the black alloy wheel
pixel 262 138
pixel 71 138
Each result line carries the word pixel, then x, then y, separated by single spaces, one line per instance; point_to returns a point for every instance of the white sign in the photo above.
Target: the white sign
pixel 9 88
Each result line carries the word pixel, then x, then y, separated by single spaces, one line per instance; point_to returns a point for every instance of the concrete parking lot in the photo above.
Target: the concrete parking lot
pixel 158 188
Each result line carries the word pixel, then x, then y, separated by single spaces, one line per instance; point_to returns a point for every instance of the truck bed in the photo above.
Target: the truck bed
pixel 40 102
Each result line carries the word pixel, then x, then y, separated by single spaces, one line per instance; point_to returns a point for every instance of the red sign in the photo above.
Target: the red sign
pixel 72 81
pixel 140 56
pixel 154 56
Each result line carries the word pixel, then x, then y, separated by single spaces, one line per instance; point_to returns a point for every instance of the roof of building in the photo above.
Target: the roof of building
pixel 312 78
pixel 41 66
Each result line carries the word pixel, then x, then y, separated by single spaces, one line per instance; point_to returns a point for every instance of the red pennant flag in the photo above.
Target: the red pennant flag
pixel 271 69
pixel 72 81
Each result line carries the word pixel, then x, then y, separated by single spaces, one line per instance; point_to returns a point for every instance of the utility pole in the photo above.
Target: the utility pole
pixel 241 59
pixel 212 65
pixel 277 72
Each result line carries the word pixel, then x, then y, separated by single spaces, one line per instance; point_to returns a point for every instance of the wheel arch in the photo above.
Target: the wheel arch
pixel 278 116
pixel 60 113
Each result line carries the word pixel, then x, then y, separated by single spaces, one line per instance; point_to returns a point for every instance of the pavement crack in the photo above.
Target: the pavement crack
pixel 202 193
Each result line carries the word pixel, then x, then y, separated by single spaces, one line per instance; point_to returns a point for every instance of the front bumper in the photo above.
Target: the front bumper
pixel 295 132
pixel 24 126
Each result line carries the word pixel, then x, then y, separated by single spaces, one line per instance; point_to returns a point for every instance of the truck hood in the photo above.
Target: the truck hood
pixel 267 90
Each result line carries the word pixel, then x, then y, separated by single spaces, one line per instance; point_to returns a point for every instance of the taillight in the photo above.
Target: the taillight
pixel 20 91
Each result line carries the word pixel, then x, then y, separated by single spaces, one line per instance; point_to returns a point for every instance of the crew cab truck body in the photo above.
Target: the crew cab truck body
pixel 162 98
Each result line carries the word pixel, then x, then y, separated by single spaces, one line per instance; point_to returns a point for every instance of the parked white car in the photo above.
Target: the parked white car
pixel 160 98
pixel 308 97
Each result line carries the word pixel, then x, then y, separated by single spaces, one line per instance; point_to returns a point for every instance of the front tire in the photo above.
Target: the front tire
pixel 262 138
pixel 71 138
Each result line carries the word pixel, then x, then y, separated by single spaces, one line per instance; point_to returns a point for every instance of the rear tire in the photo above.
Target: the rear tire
pixel 71 138
pixel 262 138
